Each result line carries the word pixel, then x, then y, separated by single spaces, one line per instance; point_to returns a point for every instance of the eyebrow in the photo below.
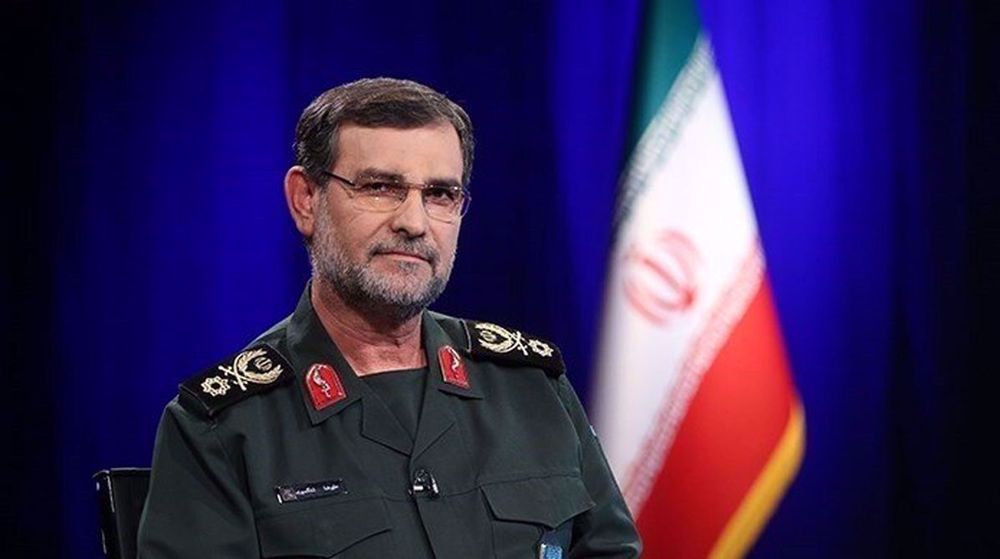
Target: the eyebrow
pixel 382 174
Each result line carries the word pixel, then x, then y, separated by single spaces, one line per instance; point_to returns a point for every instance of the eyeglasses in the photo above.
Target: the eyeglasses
pixel 378 194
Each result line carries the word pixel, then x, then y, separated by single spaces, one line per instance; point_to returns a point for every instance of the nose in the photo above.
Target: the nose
pixel 411 217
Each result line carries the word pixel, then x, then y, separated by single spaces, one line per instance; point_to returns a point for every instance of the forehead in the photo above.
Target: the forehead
pixel 416 153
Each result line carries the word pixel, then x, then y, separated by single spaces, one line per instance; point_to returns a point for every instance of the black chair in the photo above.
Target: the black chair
pixel 121 493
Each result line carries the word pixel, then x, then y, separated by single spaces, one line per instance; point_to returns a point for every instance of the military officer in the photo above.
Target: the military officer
pixel 364 425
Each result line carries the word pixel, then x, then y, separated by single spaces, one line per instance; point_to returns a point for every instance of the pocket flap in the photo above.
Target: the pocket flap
pixel 321 531
pixel 549 501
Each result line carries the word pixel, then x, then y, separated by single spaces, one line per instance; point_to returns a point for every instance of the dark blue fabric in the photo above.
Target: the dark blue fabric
pixel 155 238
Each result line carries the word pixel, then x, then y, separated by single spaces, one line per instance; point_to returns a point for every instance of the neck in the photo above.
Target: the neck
pixel 371 343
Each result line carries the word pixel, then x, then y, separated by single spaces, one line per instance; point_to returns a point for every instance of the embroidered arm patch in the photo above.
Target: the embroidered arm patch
pixel 513 347
pixel 251 371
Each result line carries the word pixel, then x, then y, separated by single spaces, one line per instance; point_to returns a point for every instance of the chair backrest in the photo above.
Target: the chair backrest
pixel 121 494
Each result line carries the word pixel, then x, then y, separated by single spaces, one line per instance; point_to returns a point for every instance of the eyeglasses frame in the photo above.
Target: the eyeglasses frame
pixel 351 187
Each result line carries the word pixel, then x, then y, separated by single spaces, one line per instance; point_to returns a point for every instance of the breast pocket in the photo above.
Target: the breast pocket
pixel 346 529
pixel 524 510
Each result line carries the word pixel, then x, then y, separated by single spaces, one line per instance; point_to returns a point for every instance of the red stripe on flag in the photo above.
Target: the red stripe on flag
pixel 732 425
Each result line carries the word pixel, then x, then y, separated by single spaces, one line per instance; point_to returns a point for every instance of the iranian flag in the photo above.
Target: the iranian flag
pixel 695 402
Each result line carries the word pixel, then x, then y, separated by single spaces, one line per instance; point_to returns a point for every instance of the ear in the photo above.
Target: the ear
pixel 300 194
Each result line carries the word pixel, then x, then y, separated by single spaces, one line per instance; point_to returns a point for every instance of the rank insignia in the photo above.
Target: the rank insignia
pixel 249 372
pixel 324 386
pixel 496 343
pixel 452 368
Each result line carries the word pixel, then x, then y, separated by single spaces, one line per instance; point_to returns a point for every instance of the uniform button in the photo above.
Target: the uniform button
pixel 423 483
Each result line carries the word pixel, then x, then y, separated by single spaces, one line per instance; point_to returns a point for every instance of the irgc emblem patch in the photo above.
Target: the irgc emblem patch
pixel 251 366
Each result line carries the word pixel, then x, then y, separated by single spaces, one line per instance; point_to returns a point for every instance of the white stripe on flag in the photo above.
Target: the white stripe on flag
pixel 685 263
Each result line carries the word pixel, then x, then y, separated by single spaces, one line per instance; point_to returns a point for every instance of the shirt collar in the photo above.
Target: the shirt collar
pixel 309 344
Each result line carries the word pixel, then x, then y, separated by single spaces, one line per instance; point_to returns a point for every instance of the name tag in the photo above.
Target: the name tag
pixel 307 491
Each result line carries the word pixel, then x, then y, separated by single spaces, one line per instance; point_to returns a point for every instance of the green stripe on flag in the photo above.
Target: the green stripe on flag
pixel 669 31
pixel 663 131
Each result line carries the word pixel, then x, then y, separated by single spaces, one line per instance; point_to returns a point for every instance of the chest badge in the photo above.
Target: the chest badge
pixel 324 386
pixel 550 551
pixel 452 367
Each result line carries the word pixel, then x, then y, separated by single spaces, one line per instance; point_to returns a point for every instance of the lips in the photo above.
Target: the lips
pixel 424 253
pixel 407 254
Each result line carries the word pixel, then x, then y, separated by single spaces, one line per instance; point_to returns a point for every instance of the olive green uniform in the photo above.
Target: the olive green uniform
pixel 246 465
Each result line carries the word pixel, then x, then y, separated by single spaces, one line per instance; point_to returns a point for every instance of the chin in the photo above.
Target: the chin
pixel 409 291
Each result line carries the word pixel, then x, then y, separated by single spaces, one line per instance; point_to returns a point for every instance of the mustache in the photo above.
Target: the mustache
pixel 417 247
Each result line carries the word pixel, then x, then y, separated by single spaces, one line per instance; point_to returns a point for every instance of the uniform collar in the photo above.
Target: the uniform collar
pixel 309 344
pixel 435 337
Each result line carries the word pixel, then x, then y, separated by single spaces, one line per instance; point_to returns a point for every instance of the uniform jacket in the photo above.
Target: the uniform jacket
pixel 513 460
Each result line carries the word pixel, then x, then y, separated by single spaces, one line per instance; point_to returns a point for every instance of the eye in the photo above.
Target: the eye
pixel 377 188
pixel 441 194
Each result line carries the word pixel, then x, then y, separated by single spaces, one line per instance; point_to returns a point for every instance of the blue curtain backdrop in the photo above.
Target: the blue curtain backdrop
pixel 146 235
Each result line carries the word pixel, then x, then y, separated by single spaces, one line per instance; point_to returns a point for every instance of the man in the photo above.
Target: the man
pixel 364 425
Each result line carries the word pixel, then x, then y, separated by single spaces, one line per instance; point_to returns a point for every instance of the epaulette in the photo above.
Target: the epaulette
pixel 512 347
pixel 254 370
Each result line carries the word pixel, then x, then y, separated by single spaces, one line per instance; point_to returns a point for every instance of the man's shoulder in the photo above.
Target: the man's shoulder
pixel 258 368
pixel 488 341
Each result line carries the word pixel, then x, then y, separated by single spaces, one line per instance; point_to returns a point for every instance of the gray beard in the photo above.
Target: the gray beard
pixel 370 293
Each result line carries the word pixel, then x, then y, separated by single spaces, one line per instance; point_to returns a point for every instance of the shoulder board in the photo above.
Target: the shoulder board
pixel 512 347
pixel 254 370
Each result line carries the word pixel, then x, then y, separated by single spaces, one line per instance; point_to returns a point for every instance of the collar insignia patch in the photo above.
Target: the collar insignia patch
pixel 324 386
pixel 452 367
